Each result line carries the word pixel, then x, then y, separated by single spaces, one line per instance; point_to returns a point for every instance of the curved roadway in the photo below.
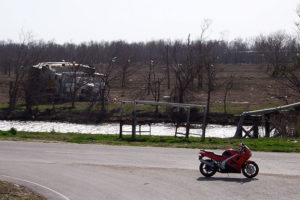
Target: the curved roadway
pixel 82 172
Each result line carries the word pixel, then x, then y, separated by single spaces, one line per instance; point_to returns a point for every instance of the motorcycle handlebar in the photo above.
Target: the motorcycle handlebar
pixel 242 147
pixel 241 150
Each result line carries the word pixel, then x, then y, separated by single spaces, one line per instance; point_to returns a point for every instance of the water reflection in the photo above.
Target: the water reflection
pixel 160 129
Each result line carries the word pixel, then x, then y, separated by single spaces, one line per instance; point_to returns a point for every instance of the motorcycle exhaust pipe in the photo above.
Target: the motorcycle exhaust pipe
pixel 211 164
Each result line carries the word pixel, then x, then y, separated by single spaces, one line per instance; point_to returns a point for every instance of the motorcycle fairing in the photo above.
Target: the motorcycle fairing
pixel 230 161
pixel 211 155
pixel 225 161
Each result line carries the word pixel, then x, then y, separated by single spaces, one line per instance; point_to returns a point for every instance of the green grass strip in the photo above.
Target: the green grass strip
pixel 260 144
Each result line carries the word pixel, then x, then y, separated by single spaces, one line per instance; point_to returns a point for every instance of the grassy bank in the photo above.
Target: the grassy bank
pixel 83 106
pixel 16 192
pixel 261 144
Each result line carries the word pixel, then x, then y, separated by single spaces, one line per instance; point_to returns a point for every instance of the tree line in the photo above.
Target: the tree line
pixel 187 60
pixel 276 47
pixel 192 64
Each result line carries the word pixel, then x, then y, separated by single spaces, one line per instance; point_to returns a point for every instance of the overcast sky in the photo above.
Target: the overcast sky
pixel 143 20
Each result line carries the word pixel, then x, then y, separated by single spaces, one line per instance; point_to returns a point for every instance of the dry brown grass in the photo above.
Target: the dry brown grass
pixel 253 87
pixel 4 86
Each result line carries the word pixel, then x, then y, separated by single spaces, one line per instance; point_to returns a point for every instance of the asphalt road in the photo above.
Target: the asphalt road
pixel 83 172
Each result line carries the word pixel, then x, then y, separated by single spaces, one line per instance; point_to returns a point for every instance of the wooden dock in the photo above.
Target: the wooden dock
pixel 135 123
pixel 265 115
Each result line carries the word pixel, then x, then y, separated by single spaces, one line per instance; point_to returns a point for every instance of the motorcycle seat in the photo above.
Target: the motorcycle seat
pixel 213 153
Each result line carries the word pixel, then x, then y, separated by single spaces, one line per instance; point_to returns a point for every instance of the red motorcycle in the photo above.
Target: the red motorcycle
pixel 231 161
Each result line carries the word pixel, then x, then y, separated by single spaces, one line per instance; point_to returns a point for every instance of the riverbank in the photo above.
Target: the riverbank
pixel 154 129
pixel 260 144
pixel 145 114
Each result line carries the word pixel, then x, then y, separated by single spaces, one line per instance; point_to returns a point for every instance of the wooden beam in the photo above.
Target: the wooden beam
pixel 267 125
pixel 134 121
pixel 270 110
pixel 188 123
pixel 238 132
pixel 121 121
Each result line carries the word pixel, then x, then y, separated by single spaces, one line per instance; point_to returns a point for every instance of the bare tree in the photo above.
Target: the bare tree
pixel 210 71
pixel 25 56
pixel 228 86
pixel 237 48
pixel 201 51
pixel 167 65
pixel 33 89
pixel 184 71
pixel 77 80
pixel 101 95
pixel 155 86
pixel 290 79
pixel 149 76
pixel 125 72
pixel 276 49
pixel 7 55
pixel 298 13
pixel 288 59
pixel 123 52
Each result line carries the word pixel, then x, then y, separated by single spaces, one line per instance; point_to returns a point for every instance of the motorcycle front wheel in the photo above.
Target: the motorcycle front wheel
pixel 250 170
pixel 207 170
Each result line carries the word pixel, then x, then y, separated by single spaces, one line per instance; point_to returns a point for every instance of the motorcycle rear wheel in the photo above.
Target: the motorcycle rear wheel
pixel 250 170
pixel 206 170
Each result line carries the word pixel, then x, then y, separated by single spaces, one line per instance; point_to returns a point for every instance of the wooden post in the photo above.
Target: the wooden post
pixel 121 129
pixel 134 121
pixel 239 133
pixel 267 125
pixel 168 69
pixel 188 123
pixel 255 130
pixel 140 129
pixel 121 122
pixel 204 124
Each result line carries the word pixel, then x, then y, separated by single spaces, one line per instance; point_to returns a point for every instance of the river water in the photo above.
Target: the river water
pixel 160 129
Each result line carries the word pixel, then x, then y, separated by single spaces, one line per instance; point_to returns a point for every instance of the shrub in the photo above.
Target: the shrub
pixel 298 127
pixel 13 131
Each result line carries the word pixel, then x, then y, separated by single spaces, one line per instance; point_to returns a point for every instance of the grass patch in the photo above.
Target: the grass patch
pixel 128 108
pixel 260 144
pixel 15 192
pixel 231 108
pixel 237 108
pixel 3 106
